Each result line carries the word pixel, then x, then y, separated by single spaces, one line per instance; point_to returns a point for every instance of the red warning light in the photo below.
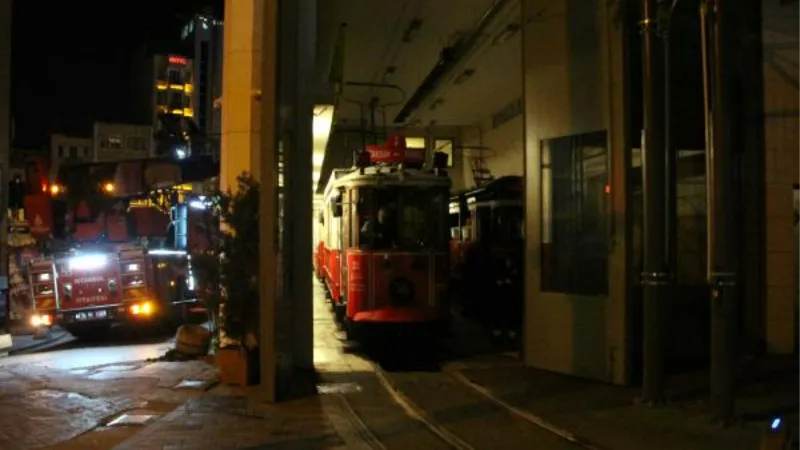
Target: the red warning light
pixel 177 60
pixel 608 189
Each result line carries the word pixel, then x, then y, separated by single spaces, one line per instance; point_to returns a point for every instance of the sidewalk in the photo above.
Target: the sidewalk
pixel 24 340
pixel 232 417
pixel 606 415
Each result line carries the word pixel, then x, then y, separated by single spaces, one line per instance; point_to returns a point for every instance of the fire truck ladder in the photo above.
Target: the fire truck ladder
pixel 368 111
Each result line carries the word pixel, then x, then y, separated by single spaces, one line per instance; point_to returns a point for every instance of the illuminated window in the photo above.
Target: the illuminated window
pixel 445 146
pixel 415 142
pixel 112 142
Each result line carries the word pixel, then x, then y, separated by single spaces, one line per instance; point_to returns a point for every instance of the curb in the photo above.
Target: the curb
pixel 39 345
pixel 525 415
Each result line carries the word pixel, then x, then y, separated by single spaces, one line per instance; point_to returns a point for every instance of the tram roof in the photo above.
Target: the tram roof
pixel 386 175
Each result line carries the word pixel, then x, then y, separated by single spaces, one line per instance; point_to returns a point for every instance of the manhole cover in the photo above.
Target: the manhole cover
pixel 200 385
pixel 126 420
pixel 338 388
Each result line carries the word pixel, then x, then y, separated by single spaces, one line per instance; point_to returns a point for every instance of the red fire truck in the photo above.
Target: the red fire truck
pixel 121 236
pixel 383 252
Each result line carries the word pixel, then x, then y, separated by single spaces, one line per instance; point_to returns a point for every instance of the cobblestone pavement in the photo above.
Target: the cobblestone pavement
pixel 359 405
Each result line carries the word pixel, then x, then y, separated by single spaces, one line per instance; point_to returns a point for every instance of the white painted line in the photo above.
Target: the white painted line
pixel 418 414
pixel 538 421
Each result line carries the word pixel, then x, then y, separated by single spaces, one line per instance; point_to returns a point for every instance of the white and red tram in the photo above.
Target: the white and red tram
pixel 384 236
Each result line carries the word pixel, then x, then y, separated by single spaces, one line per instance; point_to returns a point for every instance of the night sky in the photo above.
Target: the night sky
pixel 71 61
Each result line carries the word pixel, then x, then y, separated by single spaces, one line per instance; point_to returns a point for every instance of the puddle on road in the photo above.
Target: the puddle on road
pixel 129 419
pixel 118 368
pixel 338 388
pixel 52 393
pixel 200 385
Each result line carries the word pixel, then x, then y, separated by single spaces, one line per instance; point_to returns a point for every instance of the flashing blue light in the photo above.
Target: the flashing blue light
pixel 776 423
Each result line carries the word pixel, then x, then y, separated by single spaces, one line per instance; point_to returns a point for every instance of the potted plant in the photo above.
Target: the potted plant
pixel 227 282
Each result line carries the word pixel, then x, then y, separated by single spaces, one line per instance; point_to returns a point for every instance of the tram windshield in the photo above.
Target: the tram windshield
pixel 402 217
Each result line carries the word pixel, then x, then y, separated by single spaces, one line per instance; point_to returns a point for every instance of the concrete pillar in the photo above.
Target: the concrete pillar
pixel 5 149
pixel 241 78
pixel 248 143
pixel 297 49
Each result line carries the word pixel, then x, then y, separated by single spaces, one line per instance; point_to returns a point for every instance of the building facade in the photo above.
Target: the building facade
pixel 203 38
pixel 118 142
pixel 203 41
pixel 66 150
pixel 172 87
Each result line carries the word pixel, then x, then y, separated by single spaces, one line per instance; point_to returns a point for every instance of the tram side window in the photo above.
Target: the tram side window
pixel 455 226
pixel 466 228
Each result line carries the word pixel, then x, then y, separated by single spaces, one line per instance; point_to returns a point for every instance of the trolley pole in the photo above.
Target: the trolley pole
pixel 655 278
pixel 722 264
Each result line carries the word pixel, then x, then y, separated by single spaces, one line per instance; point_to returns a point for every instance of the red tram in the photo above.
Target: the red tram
pixel 383 252
pixel 487 240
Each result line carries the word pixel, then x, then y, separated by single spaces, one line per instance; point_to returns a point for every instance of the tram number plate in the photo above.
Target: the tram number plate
pixel 91 315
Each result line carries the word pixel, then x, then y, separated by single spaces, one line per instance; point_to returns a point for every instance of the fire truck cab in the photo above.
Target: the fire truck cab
pixel 125 257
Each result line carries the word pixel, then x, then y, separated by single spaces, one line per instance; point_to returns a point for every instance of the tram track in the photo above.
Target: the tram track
pixel 470 416
pixel 414 411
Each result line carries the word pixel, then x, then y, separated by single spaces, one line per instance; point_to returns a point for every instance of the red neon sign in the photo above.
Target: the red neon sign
pixel 395 151
pixel 177 60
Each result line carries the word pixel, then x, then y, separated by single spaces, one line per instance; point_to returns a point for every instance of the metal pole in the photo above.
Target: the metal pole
pixel 5 150
pixel 722 240
pixel 666 8
pixel 655 278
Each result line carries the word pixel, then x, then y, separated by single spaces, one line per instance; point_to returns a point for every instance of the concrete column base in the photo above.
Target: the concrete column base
pixel 5 344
